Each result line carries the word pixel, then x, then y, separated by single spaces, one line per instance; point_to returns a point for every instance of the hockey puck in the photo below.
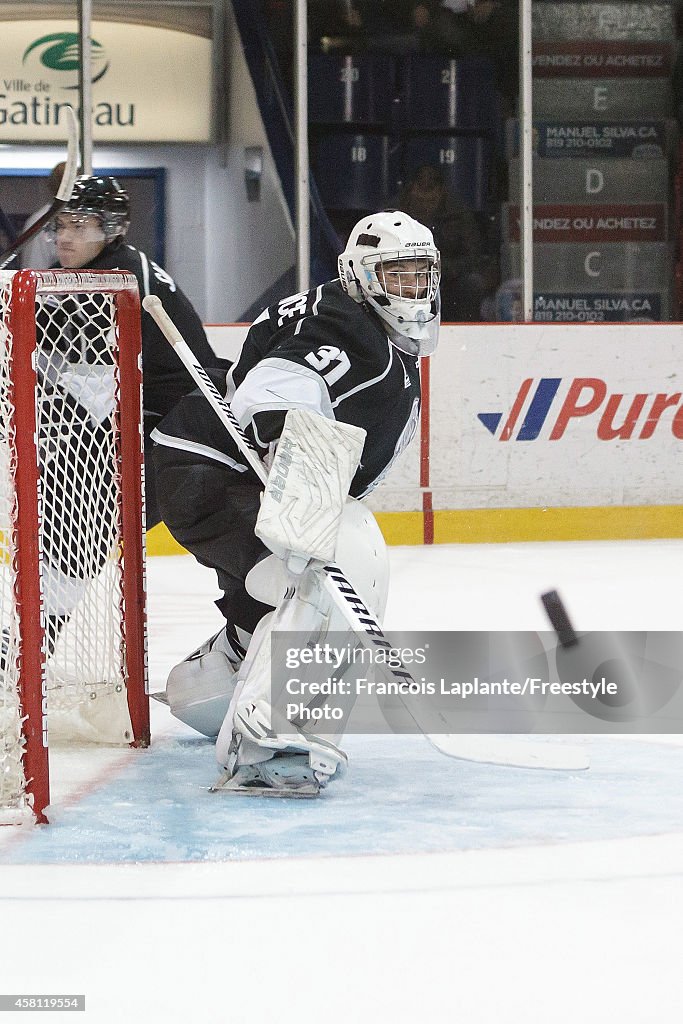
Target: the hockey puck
pixel 559 619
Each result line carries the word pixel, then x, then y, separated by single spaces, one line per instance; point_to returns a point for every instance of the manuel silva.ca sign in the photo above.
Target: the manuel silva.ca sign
pixel 149 84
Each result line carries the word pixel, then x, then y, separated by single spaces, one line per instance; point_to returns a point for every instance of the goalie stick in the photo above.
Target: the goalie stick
pixel 62 195
pixel 496 750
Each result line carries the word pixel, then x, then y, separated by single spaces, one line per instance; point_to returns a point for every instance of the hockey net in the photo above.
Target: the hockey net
pixel 72 610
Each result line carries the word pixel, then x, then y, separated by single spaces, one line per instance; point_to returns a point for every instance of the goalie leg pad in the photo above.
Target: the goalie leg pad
pixel 199 689
pixel 360 551
pixel 62 592
pixel 268 581
pixel 220 641
pixel 252 731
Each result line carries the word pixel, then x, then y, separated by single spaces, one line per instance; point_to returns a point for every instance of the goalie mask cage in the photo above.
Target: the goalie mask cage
pixel 72 597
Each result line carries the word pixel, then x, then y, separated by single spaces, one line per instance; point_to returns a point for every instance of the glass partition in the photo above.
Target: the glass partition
pixel 414 104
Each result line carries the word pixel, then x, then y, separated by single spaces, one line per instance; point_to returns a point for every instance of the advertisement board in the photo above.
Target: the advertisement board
pixel 557 415
pixel 538 431
pixel 633 140
pixel 149 84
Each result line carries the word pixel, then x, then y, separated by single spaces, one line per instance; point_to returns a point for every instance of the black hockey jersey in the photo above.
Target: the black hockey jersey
pixel 318 350
pixel 165 379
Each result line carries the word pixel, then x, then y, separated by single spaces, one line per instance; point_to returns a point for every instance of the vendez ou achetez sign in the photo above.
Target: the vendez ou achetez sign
pixel 149 84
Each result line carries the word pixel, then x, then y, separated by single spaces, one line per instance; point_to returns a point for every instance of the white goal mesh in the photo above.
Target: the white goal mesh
pixel 72 658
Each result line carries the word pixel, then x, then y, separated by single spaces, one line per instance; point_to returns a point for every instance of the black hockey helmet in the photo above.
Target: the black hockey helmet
pixel 102 196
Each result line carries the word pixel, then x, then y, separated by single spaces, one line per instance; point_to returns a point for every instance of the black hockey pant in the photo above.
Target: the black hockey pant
pixel 211 510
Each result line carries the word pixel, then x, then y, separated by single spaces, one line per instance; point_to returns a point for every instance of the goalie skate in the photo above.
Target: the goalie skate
pixel 285 775
pixel 252 720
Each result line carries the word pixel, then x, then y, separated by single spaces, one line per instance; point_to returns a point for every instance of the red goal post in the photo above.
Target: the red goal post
pixel 73 655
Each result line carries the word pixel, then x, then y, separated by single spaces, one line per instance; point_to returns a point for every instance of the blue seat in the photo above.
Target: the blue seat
pixel 437 92
pixel 465 161
pixel 351 90
pixel 354 172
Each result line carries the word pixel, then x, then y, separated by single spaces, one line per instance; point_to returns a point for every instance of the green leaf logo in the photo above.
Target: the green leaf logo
pixel 60 53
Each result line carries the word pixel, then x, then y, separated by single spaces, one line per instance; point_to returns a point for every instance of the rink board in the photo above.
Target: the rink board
pixel 536 432
pixel 528 416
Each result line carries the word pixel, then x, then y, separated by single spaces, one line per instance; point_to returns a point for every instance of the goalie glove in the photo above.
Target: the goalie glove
pixel 307 487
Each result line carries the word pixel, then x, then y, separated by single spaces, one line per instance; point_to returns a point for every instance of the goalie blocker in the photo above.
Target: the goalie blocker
pixel 307 486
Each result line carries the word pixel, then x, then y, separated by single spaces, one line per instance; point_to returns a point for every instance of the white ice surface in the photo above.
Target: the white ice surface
pixel 417 889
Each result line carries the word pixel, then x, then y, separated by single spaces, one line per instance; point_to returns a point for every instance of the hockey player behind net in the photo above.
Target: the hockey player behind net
pixel 90 232
pixel 345 356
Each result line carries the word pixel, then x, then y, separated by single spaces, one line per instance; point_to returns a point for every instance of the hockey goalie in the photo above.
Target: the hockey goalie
pixel 327 390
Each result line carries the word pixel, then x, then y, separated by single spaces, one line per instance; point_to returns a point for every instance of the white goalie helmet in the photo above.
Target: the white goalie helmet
pixel 392 263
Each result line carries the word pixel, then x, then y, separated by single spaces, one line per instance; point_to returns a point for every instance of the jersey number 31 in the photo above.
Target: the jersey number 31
pixel 329 356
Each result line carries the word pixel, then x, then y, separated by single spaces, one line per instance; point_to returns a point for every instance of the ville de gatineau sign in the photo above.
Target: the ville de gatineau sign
pixel 149 84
